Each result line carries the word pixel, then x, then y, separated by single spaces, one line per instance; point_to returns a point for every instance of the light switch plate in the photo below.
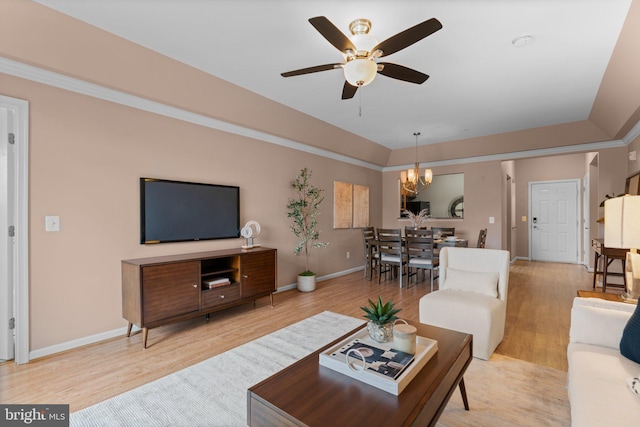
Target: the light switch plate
pixel 492 220
pixel 52 223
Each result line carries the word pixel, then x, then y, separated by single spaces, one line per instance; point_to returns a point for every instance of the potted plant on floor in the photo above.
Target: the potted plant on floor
pixel 381 316
pixel 303 210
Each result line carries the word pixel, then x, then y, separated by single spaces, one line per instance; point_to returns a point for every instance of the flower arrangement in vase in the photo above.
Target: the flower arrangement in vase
pixel 418 219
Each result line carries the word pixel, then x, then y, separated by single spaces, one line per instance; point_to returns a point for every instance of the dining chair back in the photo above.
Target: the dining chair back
pixel 482 238
pixel 371 254
pixel 443 231
pixel 411 231
pixel 420 255
pixel 391 253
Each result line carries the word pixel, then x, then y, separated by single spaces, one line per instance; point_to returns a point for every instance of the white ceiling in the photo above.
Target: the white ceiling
pixel 480 84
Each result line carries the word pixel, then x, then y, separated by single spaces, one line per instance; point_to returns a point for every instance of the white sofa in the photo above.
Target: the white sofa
pixel 472 296
pixel 598 392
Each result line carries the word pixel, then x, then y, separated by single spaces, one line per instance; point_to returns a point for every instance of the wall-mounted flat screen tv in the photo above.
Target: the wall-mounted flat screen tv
pixel 176 211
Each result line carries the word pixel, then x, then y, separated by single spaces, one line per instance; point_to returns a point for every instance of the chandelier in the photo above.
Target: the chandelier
pixel 412 182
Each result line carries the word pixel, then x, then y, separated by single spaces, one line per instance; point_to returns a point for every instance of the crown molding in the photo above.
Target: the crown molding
pixel 569 149
pixel 50 78
pixel 60 81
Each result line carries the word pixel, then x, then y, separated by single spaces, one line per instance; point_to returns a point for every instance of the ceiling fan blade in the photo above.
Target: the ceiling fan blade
pixel 348 91
pixel 408 37
pixel 308 70
pixel 400 72
pixel 332 34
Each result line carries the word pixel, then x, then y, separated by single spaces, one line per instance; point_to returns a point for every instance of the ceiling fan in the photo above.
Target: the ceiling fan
pixel 362 50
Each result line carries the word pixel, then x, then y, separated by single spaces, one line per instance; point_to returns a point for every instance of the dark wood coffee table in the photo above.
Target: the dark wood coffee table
pixel 308 394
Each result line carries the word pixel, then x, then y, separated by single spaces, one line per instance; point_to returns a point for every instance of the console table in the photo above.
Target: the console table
pixel 608 255
pixel 165 289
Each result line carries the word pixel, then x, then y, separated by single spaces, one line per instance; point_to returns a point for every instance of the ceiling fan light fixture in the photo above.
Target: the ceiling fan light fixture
pixel 360 71
pixel 361 39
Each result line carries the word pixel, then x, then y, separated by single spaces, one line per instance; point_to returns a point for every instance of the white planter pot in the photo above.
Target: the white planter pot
pixel 306 283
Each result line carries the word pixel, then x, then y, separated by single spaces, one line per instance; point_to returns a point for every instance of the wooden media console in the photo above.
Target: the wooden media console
pixel 165 289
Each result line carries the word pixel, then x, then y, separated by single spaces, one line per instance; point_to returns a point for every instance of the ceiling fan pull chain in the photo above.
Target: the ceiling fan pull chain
pixel 360 103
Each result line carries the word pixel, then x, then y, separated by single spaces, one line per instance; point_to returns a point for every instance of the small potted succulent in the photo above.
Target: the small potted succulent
pixel 381 316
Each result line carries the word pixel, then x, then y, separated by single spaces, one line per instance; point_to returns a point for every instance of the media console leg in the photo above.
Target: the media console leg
pixel 129 329
pixel 145 334
pixel 463 392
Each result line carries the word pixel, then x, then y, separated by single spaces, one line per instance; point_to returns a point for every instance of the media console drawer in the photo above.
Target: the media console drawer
pixel 160 290
pixel 220 296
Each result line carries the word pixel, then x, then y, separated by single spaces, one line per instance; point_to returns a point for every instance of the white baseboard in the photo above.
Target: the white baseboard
pixel 321 278
pixel 69 345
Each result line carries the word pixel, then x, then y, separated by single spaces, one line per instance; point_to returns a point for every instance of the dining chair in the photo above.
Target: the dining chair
pixel 412 231
pixel 443 231
pixel 420 255
pixel 371 254
pixel 482 238
pixel 391 254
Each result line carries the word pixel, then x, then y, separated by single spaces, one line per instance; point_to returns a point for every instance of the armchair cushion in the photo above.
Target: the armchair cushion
pixel 472 281
pixel 630 342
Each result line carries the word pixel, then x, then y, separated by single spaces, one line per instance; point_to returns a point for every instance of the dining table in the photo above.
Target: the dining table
pixel 437 245
pixel 450 242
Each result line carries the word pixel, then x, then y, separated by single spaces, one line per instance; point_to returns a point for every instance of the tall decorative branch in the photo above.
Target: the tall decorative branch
pixel 303 209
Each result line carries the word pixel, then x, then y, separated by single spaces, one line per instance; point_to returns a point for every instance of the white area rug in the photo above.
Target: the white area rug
pixel 214 392
pixel 501 392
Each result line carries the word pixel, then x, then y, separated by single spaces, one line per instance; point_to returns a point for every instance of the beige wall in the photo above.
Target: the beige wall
pixel 482 199
pixel 86 158
pixel 541 169
pixel 634 165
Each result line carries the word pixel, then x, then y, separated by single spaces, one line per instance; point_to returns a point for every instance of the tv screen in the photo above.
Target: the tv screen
pixel 176 211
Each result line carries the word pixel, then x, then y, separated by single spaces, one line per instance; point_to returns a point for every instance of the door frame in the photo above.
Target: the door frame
pixel 20 126
pixel 577 183
pixel 586 229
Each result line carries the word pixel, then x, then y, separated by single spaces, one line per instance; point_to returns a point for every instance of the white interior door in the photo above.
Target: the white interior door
pixel 14 278
pixel 6 242
pixel 554 221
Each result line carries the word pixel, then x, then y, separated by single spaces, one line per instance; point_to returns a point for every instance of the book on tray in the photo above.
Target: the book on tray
pixel 378 361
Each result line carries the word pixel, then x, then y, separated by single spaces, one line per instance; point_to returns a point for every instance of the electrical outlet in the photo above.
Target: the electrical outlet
pixel 348 254
pixel 492 220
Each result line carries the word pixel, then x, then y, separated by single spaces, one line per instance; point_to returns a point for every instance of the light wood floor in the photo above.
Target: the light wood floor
pixel 539 302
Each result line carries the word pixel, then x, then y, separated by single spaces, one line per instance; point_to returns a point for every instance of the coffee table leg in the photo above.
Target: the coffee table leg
pixel 463 392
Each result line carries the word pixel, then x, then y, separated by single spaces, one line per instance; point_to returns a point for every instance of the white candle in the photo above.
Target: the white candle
pixel 404 338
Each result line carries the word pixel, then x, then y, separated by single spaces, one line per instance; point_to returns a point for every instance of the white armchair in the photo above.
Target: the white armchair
pixel 472 296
